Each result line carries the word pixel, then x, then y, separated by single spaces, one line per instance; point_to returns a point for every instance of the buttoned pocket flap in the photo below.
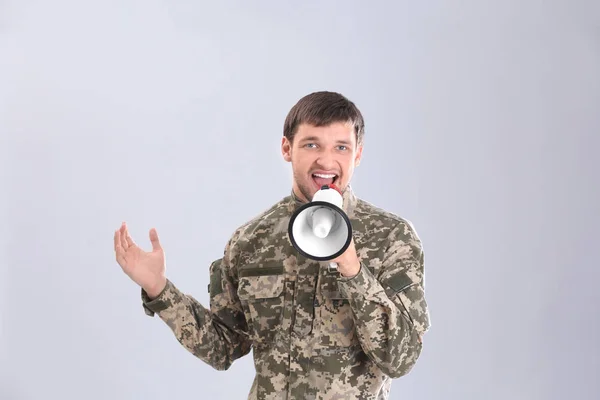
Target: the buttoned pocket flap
pixel 334 295
pixel 397 283
pixel 261 282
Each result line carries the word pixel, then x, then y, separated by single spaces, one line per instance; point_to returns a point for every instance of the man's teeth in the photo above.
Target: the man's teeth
pixel 324 176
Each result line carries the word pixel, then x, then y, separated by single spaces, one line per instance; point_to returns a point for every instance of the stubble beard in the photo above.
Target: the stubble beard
pixel 305 189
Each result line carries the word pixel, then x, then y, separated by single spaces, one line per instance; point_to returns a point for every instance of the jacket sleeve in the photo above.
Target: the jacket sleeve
pixel 217 335
pixel 390 311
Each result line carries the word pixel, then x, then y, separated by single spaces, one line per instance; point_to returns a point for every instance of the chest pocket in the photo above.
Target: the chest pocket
pixel 261 292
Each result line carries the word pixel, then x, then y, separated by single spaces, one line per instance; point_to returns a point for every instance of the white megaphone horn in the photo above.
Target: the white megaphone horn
pixel 321 230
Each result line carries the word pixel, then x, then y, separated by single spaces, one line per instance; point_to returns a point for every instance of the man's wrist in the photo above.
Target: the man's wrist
pixel 351 273
pixel 155 290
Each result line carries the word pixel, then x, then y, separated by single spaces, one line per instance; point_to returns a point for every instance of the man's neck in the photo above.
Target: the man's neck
pixel 297 197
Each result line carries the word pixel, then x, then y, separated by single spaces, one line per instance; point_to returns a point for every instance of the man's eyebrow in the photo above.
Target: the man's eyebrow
pixel 310 139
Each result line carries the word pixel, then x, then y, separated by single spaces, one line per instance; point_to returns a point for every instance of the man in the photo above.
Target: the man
pixel 315 334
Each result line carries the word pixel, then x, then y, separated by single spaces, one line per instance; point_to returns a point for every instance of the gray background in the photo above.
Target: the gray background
pixel 482 122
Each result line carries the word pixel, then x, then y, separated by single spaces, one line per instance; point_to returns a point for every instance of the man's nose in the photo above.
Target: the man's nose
pixel 326 161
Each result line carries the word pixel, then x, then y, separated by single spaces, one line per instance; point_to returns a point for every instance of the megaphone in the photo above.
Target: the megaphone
pixel 321 230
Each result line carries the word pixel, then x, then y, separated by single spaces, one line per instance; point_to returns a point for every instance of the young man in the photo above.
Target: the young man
pixel 316 334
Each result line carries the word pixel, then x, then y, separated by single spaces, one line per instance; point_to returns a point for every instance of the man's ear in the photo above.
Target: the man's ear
pixel 358 156
pixel 286 149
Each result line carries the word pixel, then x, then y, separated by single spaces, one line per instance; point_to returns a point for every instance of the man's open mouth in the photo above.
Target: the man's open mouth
pixel 324 179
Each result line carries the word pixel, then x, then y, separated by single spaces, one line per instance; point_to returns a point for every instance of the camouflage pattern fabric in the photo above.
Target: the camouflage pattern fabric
pixel 314 334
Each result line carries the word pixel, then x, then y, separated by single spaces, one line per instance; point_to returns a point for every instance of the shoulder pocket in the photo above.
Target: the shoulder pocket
pixel 397 283
pixel 215 286
pixel 411 297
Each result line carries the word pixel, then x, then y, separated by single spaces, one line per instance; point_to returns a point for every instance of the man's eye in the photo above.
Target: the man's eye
pixel 309 144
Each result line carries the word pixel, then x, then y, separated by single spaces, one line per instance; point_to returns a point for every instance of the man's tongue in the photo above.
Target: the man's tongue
pixel 322 181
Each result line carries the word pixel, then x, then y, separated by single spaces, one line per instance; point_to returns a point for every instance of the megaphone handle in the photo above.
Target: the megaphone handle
pixel 333 267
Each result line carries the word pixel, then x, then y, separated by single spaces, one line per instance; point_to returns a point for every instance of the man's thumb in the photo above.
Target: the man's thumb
pixel 154 239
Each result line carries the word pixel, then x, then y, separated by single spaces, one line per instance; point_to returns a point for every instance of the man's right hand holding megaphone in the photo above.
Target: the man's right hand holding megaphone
pixel 321 230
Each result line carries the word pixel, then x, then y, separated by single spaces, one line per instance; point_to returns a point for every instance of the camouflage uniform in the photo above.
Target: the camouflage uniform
pixel 314 334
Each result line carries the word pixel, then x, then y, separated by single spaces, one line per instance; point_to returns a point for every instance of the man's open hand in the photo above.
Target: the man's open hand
pixel 147 269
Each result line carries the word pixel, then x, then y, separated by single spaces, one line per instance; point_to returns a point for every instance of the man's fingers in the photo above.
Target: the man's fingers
pixel 123 236
pixel 116 241
pixel 119 251
pixel 154 239
pixel 128 238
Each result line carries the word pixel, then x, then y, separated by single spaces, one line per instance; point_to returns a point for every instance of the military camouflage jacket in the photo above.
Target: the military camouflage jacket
pixel 314 334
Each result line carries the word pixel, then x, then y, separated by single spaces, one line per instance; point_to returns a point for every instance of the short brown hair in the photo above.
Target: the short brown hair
pixel 322 109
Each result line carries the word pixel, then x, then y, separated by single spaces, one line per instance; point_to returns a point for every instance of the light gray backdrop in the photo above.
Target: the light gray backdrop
pixel 482 127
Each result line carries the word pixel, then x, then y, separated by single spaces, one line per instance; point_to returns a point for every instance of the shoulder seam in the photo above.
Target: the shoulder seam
pixel 275 207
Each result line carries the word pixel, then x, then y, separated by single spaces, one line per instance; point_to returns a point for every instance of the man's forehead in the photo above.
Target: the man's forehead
pixel 336 131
